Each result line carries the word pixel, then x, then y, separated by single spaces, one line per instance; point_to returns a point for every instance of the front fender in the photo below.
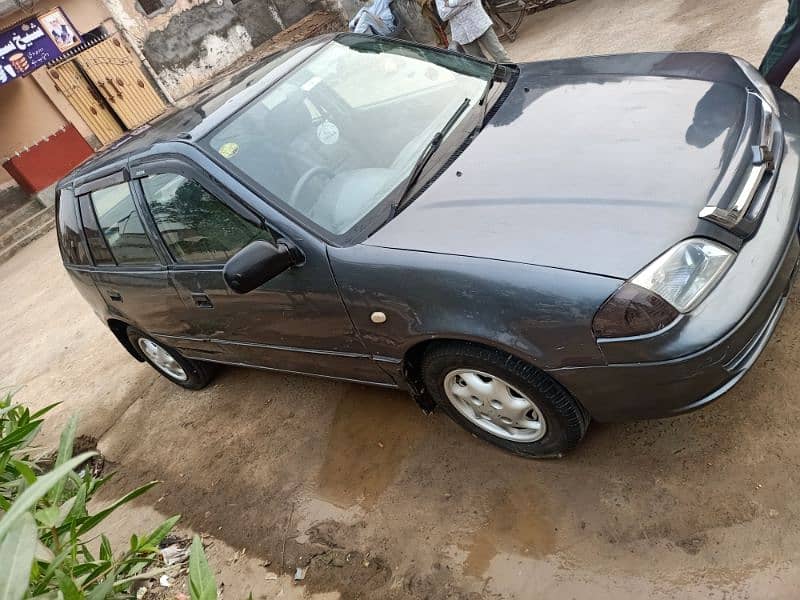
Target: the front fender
pixel 540 314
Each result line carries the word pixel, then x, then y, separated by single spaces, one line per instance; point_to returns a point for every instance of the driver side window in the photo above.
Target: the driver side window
pixel 195 226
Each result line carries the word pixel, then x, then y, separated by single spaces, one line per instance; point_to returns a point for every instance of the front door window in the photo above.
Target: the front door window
pixel 196 227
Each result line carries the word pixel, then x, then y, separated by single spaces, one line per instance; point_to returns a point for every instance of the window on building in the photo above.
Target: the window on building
pixel 151 6
pixel 196 226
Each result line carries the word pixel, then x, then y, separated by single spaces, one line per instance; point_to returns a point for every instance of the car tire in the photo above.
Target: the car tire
pixel 182 371
pixel 553 424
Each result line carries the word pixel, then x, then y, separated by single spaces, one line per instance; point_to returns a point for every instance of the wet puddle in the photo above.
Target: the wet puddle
pixel 372 432
pixel 514 524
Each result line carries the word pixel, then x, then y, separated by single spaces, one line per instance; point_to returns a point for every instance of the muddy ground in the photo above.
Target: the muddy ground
pixel 385 502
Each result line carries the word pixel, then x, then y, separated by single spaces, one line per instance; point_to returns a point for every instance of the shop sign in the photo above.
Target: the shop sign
pixel 35 42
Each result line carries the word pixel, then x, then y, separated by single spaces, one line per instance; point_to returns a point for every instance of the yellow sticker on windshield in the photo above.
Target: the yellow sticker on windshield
pixel 229 149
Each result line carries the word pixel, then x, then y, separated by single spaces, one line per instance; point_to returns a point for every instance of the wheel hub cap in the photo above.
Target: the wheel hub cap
pixel 162 359
pixel 495 406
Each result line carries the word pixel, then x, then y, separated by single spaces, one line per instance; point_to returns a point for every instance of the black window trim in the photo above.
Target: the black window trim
pixel 110 181
pixel 74 202
pixel 177 164
pixel 102 182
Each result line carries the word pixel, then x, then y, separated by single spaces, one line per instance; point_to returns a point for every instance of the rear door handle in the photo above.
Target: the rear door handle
pixel 202 301
pixel 114 296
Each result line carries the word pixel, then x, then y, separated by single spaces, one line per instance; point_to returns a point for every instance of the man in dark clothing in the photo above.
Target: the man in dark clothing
pixel 784 52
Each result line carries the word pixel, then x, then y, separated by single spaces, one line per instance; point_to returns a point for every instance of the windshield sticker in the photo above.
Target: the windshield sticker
pixel 328 133
pixel 229 149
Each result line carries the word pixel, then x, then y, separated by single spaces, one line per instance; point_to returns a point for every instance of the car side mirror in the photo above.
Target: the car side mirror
pixel 256 264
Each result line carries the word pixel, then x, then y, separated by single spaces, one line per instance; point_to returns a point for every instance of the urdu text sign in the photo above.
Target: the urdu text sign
pixel 29 45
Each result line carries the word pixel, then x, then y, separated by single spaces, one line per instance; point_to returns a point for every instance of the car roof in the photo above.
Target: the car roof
pixel 204 109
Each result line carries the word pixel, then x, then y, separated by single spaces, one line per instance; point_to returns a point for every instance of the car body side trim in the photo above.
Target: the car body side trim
pixel 264 346
pixel 392 386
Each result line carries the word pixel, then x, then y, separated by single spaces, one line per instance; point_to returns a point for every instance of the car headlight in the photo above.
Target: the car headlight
pixel 760 84
pixel 674 283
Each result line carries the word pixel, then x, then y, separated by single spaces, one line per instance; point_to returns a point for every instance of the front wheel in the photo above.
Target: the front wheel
pixel 182 371
pixel 503 400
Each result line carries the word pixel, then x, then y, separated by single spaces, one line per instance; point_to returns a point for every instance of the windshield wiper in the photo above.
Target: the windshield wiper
pixel 426 155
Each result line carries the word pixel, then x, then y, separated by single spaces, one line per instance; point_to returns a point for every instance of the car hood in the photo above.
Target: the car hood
pixel 596 165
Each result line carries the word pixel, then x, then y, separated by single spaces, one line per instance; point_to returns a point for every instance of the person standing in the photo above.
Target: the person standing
pixel 375 19
pixel 471 28
pixel 784 52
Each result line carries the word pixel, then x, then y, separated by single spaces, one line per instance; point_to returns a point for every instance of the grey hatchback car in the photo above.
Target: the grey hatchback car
pixel 526 247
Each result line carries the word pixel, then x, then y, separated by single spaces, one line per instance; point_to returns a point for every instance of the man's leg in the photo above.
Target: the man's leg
pixel 473 49
pixel 784 52
pixel 493 46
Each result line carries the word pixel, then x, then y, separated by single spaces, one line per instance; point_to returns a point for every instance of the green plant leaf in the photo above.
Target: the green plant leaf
pixel 78 509
pixel 102 590
pixel 16 557
pixel 23 469
pixel 34 493
pixel 47 517
pixel 160 532
pixel 64 454
pixel 91 522
pixel 43 411
pixel 105 549
pixel 19 437
pixel 44 579
pixel 47 596
pixel 64 510
pixel 202 585
pixel 67 586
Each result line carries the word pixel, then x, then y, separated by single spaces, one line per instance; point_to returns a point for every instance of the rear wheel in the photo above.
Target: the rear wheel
pixel 182 371
pixel 503 400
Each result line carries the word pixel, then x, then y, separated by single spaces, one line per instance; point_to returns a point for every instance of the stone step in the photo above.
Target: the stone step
pixel 11 198
pixel 27 231
pixel 23 213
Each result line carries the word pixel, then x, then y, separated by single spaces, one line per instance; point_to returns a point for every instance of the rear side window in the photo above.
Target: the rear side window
pixel 196 226
pixel 73 250
pixel 97 244
pixel 121 227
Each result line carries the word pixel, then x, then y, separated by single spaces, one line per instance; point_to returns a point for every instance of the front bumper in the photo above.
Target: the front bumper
pixel 718 343
pixel 621 392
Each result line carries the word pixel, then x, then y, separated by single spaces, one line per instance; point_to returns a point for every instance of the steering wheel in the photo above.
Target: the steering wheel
pixel 301 184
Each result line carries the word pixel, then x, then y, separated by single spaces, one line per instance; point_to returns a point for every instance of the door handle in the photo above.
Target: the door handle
pixel 114 296
pixel 202 301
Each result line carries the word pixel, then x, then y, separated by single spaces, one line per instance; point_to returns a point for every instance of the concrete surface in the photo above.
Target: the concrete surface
pixel 393 504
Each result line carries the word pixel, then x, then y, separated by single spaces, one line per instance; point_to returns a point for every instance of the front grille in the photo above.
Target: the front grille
pixel 740 197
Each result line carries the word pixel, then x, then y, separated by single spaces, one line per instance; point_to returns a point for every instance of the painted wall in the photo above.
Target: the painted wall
pixel 45 163
pixel 188 41
pixel 27 116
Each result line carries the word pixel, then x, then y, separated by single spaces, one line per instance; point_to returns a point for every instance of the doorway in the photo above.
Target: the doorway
pixel 108 88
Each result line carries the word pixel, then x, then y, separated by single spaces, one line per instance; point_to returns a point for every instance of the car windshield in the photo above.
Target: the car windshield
pixel 333 138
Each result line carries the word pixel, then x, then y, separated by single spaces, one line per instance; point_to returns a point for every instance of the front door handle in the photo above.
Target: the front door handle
pixel 202 301
pixel 114 296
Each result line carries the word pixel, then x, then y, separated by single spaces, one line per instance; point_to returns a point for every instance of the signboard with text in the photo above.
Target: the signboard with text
pixel 34 42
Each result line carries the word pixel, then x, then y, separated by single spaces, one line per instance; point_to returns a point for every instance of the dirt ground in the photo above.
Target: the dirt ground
pixel 384 502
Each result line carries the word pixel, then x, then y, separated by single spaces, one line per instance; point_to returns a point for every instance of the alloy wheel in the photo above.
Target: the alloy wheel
pixel 494 405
